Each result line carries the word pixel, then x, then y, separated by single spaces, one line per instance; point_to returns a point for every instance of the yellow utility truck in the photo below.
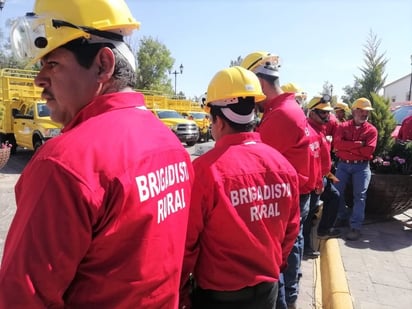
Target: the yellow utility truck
pixel 203 122
pixel 24 117
pixel 186 130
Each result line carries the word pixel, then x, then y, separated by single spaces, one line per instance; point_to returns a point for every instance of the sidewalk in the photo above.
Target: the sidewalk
pixel 378 267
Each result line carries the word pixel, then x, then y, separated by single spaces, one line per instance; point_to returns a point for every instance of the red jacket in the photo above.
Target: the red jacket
pixel 315 178
pixel 244 215
pixel 355 143
pixel 101 215
pixel 325 146
pixel 284 127
pixel 405 131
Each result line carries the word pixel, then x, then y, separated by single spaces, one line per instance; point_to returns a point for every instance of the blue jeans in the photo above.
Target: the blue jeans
pixel 289 278
pixel 360 175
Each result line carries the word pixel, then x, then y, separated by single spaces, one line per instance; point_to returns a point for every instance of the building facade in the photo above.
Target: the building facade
pixel 399 91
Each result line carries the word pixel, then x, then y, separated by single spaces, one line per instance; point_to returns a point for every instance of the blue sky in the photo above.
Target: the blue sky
pixel 317 40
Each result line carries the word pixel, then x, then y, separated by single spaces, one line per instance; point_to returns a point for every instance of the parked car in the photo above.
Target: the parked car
pixel 400 114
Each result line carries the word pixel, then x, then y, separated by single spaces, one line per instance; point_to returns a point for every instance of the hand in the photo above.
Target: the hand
pixel 332 178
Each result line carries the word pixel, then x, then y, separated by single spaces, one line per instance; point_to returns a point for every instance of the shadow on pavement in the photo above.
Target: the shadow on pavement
pixel 17 162
pixel 384 234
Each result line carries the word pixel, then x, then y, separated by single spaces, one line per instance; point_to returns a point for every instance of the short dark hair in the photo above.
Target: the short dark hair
pixel 244 107
pixel 124 75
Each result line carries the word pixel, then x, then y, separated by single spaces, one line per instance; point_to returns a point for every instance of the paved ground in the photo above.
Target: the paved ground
pixel 378 266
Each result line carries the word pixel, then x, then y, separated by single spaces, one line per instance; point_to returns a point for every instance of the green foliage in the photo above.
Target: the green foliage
pixel 236 62
pixel 154 63
pixel 382 119
pixel 372 79
pixel 367 86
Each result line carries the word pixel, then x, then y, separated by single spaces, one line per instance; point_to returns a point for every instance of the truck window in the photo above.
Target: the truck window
pixel 43 110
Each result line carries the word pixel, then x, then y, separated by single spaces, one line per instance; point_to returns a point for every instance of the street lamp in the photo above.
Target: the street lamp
pixel 331 91
pixel 410 83
pixel 175 73
pixel 2 2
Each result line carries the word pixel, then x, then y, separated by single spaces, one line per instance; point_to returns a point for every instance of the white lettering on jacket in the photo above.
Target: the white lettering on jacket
pixel 170 204
pixel 156 182
pixel 264 211
pixel 259 193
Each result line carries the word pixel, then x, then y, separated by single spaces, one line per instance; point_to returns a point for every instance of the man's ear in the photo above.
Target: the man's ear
pixel 105 61
pixel 220 123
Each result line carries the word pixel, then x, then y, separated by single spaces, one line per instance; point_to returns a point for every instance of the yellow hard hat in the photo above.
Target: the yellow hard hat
pixel 321 103
pixel 290 87
pixel 54 23
pixel 362 103
pixel 230 84
pixel 262 62
pixel 301 94
pixel 341 105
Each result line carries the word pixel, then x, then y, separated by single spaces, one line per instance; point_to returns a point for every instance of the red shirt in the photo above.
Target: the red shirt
pixel 405 131
pixel 355 142
pixel 284 127
pixel 325 146
pixel 244 215
pixel 102 212
pixel 330 127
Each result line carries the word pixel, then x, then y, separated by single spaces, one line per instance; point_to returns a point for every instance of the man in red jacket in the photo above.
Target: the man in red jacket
pixel 102 209
pixel 244 215
pixel 319 109
pixel 355 141
pixel 284 127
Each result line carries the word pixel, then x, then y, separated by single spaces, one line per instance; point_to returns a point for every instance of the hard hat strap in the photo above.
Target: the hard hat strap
pixel 104 34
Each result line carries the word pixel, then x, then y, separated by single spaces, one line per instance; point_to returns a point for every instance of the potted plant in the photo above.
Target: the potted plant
pixel 390 189
pixel 4 153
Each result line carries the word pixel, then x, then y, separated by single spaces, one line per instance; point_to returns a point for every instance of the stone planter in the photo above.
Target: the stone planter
pixel 388 195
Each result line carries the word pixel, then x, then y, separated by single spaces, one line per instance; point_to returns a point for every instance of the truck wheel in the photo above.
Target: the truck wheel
pixel 37 144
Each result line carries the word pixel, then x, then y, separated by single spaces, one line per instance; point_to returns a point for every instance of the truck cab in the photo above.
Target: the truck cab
pixel 186 130
pixel 24 117
pixel 203 122
pixel 32 125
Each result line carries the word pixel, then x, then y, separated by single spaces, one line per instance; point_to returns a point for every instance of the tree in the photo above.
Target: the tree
pixel 372 79
pixel 368 86
pixel 154 61
pixel 236 62
pixel 382 119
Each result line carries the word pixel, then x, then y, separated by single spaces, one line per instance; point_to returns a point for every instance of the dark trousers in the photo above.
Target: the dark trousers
pixel 262 296
pixel 330 198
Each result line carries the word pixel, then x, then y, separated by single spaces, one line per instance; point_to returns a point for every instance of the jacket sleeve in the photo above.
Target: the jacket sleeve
pixel 292 228
pixel 369 144
pixel 200 201
pixel 49 235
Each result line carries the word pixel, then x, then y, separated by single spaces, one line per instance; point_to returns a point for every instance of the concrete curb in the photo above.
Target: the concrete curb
pixel 335 290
